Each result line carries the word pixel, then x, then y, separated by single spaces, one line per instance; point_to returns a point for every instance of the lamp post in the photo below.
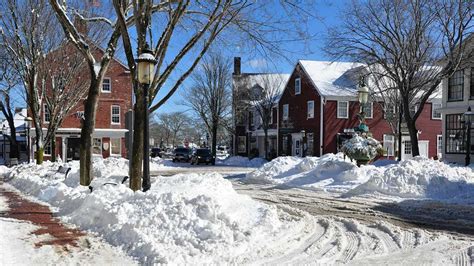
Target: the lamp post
pixel 363 96
pixel 28 121
pixel 467 119
pixel 146 68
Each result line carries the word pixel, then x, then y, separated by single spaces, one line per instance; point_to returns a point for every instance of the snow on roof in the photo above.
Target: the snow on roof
pixel 332 78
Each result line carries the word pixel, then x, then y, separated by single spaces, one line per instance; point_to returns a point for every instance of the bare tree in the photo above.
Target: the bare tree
pixel 63 87
pixel 174 124
pixel 28 33
pixel 210 96
pixel 264 96
pixel 413 43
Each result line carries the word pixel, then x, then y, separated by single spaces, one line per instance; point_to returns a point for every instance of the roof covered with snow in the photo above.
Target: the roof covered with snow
pixel 332 78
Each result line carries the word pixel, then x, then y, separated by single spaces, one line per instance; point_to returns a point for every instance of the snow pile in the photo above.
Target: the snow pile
pixel 241 161
pixel 331 171
pixel 421 178
pixel 183 219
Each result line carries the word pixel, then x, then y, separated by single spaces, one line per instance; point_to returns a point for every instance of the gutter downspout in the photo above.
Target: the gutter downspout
pixel 321 129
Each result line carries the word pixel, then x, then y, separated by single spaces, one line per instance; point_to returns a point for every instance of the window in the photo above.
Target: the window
pixel 368 109
pixel 439 144
pixel 472 83
pixel 310 106
pixel 251 119
pixel 97 146
pixel 115 146
pixel 297 86
pixel 310 141
pixel 435 114
pixel 342 109
pixel 106 85
pixel 389 111
pixel 46 114
pixel 284 145
pixel 413 108
pixel 48 150
pixel 241 144
pixel 115 114
pixel 389 144
pixel 454 134
pixel 407 146
pixel 285 111
pixel 456 86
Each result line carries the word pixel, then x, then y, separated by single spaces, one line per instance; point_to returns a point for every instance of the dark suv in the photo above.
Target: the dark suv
pixel 182 154
pixel 155 152
pixel 203 156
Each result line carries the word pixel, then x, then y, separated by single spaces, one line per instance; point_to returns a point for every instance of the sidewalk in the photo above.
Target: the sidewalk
pixel 31 228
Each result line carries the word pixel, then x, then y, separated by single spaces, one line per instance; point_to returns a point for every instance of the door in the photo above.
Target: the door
pixel 423 146
pixel 297 147
pixel 73 149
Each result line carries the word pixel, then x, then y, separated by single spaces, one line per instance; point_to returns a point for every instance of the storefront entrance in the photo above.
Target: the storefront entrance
pixel 73 149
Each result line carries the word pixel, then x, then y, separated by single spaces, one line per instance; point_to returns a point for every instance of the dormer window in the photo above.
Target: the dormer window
pixel 297 86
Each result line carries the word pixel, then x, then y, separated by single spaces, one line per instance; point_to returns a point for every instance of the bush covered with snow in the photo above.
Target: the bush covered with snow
pixel 183 219
pixel 361 148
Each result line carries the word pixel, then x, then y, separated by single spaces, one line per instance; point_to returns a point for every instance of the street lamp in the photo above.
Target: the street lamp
pixel 363 96
pixel 467 118
pixel 146 68
pixel 28 121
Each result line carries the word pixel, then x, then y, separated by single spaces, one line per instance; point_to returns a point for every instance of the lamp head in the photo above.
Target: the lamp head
pixel 146 65
pixel 468 116
pixel 363 94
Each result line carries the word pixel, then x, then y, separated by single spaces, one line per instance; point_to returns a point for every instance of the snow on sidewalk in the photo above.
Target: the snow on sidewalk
pixel 28 228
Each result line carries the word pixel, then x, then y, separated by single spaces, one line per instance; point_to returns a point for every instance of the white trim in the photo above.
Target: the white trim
pixel 112 114
pixel 437 109
pixel 372 111
pixel 44 150
pixel 308 114
pixel 45 108
pixel 439 152
pixel 392 143
pixel 298 80
pixel 347 110
pixel 287 112
pixel 110 85
pixel 321 127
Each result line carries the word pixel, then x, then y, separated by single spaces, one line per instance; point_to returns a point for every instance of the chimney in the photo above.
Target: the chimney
pixel 237 66
pixel 80 25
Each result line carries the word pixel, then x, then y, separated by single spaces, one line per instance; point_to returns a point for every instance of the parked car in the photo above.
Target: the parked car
pixel 203 156
pixel 155 152
pixel 181 154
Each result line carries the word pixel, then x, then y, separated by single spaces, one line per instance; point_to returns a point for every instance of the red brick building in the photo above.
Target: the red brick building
pixel 318 110
pixel 109 135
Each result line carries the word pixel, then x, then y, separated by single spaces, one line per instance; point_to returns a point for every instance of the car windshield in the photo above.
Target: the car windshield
pixel 181 150
pixel 202 152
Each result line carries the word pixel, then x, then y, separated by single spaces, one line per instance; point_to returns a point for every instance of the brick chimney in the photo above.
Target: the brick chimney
pixel 237 66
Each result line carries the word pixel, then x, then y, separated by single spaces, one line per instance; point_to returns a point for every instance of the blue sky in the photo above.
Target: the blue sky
pixel 328 13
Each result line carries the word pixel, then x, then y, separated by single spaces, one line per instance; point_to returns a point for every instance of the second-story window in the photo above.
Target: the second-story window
pixel 310 112
pixel 342 109
pixel 106 85
pixel 115 114
pixel 435 114
pixel 47 114
pixel 456 86
pixel 297 86
pixel 389 111
pixel 285 111
pixel 369 110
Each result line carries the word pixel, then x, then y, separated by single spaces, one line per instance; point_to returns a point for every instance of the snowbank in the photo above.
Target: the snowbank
pixel 421 178
pixel 183 219
pixel 242 161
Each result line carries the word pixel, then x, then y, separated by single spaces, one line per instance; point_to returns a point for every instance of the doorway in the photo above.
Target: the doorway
pixel 73 148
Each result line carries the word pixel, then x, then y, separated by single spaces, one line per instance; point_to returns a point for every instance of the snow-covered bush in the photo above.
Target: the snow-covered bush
pixel 362 149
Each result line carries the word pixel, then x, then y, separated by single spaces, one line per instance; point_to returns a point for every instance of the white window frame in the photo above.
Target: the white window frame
pixel 433 109
pixel 287 113
pixel 371 110
pixel 386 143
pixel 112 114
pixel 347 110
pixel 100 146
pixel 45 109
pixel 45 149
pixel 120 147
pixel 110 85
pixel 439 148
pixel 297 86
pixel 308 113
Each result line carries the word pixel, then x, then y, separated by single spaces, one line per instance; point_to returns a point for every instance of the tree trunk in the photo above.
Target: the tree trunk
pixel 14 148
pixel 39 145
pixel 214 139
pixel 138 140
pixel 265 142
pixel 415 151
pixel 53 148
pixel 90 110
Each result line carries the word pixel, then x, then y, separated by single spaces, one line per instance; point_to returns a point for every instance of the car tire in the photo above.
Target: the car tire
pixel 174 160
pixel 192 163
